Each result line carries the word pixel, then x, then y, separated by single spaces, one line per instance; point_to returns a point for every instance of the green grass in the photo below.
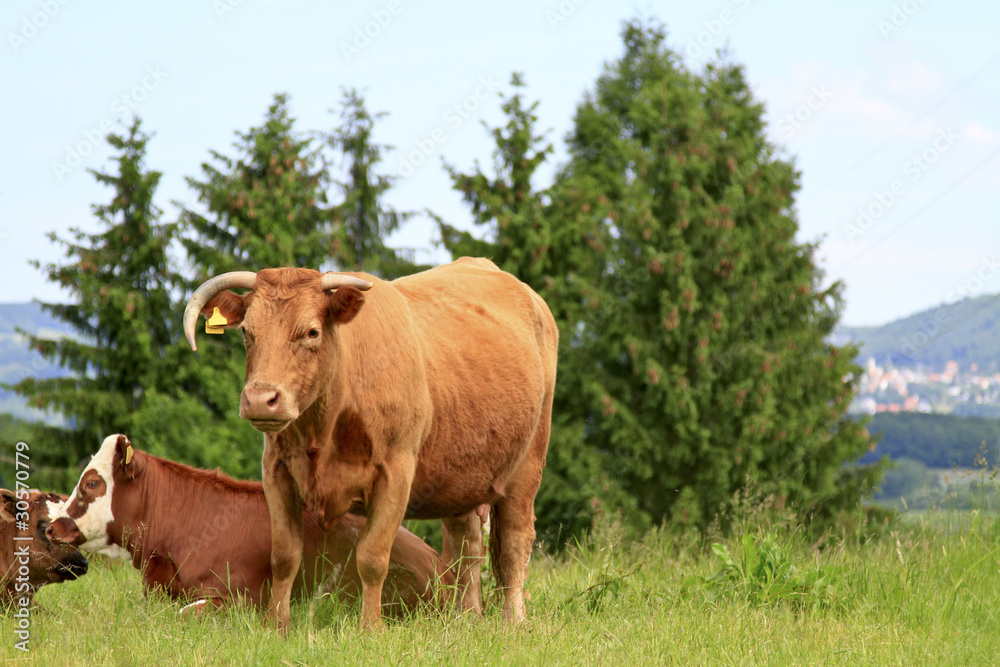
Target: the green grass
pixel 923 593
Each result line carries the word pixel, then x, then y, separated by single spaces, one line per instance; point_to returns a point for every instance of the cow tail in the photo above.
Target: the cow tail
pixel 496 541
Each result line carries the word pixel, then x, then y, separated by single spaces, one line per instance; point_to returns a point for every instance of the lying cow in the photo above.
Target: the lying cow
pixel 201 534
pixel 425 397
pixel 28 560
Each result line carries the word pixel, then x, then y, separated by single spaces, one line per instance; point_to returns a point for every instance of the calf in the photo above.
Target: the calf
pixel 28 560
pixel 201 534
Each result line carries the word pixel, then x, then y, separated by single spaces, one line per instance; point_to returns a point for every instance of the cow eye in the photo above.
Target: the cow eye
pixel 92 484
pixel 313 333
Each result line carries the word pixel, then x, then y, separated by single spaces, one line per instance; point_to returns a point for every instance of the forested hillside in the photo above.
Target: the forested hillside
pixel 937 441
pixel 966 331
pixel 19 361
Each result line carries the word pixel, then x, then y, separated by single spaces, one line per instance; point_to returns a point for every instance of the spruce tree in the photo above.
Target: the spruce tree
pixel 557 255
pixel 693 363
pixel 265 206
pixel 119 280
pixel 507 203
pixel 363 219
pixel 711 370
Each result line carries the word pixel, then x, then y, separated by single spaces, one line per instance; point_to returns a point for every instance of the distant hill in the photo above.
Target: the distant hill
pixel 966 331
pixel 18 362
pixel 937 441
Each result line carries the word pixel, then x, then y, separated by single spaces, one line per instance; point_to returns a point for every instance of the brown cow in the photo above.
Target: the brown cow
pixel 28 560
pixel 427 397
pixel 201 534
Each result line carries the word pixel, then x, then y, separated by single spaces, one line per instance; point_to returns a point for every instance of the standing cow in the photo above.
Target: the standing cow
pixel 427 397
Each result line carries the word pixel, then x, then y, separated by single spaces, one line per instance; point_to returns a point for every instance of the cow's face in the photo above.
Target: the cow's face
pixel 289 323
pixel 29 516
pixel 86 520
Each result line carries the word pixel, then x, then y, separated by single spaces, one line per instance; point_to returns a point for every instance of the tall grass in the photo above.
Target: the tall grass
pixel 923 591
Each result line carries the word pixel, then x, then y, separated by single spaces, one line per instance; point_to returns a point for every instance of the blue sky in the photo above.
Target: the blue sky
pixel 891 111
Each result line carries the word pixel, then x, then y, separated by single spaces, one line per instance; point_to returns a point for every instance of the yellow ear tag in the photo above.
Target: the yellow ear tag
pixel 128 454
pixel 216 322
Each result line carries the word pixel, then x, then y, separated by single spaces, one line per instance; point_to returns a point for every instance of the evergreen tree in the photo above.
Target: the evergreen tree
pixel 707 336
pixel 364 220
pixel 693 357
pixel 556 255
pixel 119 280
pixel 507 204
pixel 265 207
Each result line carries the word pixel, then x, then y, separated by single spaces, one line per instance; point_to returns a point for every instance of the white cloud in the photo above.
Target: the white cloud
pixel 856 102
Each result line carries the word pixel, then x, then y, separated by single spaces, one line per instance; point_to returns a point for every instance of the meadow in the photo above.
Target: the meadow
pixel 923 590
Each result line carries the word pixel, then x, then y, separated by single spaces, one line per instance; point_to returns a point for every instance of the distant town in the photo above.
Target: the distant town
pixel 951 390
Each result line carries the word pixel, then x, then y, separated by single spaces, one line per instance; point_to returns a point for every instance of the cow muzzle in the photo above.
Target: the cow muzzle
pixel 72 568
pixel 267 408
pixel 64 531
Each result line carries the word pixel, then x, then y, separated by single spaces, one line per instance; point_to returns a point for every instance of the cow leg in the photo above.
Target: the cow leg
pixel 463 550
pixel 285 509
pixel 511 539
pixel 512 523
pixel 386 509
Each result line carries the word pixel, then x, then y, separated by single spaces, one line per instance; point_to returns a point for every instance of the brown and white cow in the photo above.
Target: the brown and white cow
pixel 201 534
pixel 28 560
pixel 424 397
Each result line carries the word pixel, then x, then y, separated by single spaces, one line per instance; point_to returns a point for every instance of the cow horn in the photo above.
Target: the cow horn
pixel 208 289
pixel 331 281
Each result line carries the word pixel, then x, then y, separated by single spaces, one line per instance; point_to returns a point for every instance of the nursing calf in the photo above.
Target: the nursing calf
pixel 198 534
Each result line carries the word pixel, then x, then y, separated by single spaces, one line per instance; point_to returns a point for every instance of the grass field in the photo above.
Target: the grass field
pixel 923 592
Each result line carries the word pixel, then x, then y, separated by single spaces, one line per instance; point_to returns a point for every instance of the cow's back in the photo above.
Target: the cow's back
pixel 487 346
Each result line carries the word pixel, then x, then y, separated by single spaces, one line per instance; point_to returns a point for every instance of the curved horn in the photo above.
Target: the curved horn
pixel 331 281
pixel 208 289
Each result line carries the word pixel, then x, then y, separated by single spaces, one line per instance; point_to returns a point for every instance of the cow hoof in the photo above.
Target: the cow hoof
pixel 371 624
pixel 280 622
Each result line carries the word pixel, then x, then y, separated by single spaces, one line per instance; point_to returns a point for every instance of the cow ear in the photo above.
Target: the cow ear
pixel 126 457
pixel 232 306
pixel 8 502
pixel 345 303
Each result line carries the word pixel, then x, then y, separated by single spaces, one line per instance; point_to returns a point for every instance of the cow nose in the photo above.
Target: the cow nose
pixel 75 567
pixel 261 402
